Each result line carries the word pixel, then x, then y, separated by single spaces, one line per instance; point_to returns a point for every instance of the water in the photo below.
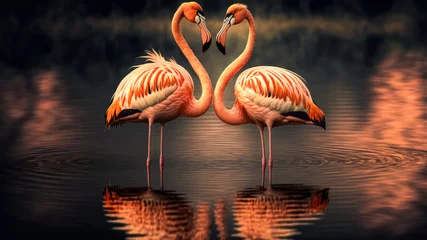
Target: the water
pixel 64 176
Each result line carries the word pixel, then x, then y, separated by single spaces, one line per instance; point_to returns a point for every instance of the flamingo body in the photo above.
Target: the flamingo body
pixel 158 90
pixel 276 95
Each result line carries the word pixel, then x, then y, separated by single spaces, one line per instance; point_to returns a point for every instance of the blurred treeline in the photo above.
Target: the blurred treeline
pixel 42 33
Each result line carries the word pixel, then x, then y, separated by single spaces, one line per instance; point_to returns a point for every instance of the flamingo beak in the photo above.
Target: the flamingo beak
pixel 221 37
pixel 206 35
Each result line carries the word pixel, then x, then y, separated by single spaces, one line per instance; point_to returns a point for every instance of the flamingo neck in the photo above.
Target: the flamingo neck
pixel 196 107
pixel 235 115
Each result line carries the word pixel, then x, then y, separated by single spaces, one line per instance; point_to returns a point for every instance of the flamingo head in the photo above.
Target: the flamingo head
pixel 235 14
pixel 193 12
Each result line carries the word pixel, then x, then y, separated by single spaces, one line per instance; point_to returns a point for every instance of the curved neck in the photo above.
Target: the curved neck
pixel 234 116
pixel 200 106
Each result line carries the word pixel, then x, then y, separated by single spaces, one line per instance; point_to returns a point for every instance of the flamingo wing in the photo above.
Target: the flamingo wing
pixel 145 86
pixel 281 90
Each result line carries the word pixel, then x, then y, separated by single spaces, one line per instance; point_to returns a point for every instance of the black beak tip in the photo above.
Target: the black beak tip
pixel 220 47
pixel 206 46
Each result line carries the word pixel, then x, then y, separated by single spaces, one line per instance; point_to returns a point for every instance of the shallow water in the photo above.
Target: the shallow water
pixel 365 177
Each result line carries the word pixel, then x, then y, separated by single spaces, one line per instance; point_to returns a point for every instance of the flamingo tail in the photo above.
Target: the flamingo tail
pixel 313 113
pixel 112 113
pixel 115 112
pixel 317 115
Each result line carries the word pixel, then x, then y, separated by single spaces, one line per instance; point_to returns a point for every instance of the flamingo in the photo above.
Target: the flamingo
pixel 267 96
pixel 161 90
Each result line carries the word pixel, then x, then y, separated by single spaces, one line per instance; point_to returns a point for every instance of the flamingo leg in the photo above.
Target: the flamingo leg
pixel 270 177
pixel 261 133
pixel 161 162
pixel 270 153
pixel 148 162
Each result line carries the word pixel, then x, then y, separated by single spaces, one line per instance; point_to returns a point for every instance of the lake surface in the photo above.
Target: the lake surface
pixel 64 176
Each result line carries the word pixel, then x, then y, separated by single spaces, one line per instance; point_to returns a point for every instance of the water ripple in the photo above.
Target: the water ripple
pixel 276 212
pixel 145 213
pixel 361 156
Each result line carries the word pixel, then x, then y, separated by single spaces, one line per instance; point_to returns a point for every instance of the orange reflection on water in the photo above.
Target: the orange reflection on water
pixel 155 214
pixel 15 99
pixel 276 212
pixel 396 118
pixel 392 197
pixel 396 115
pixel 43 114
pixel 220 213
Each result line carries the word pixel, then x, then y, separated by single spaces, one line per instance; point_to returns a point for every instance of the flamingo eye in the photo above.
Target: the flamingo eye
pixel 199 17
pixel 229 18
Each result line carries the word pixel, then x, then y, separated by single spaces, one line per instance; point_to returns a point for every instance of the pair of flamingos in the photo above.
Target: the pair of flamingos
pixel 162 90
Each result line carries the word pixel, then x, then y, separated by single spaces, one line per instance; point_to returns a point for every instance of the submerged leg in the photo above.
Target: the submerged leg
pixel 161 162
pixel 270 157
pixel 261 133
pixel 148 163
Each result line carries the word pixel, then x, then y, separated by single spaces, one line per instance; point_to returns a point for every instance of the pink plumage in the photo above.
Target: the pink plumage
pixel 267 96
pixel 160 90
pixel 269 93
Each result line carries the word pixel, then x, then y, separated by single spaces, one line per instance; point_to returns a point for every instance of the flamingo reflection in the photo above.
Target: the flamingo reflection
pixel 220 213
pixel 145 213
pixel 276 212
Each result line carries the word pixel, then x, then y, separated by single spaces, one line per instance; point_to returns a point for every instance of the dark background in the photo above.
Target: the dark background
pixel 61 60
pixel 25 43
